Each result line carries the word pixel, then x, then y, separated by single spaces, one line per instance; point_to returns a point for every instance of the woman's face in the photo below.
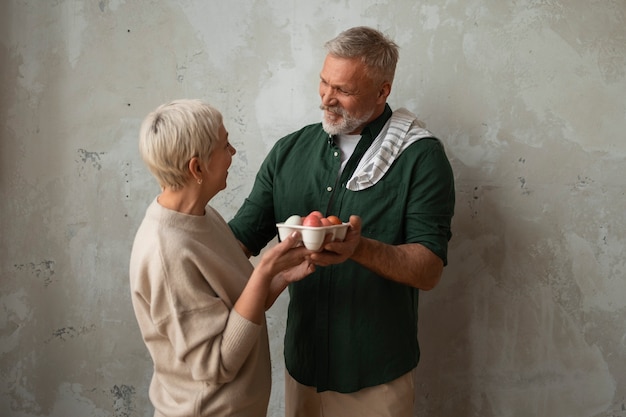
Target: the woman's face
pixel 220 160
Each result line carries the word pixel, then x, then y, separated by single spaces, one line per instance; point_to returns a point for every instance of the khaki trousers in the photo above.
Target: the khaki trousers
pixel 394 399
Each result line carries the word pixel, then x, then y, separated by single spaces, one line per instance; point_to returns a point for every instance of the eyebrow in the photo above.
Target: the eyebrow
pixel 343 87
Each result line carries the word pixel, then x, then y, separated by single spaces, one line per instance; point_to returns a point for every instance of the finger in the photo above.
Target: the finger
pixel 292 240
pixel 355 222
pixel 354 219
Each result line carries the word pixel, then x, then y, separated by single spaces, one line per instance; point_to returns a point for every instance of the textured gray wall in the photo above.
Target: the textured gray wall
pixel 529 97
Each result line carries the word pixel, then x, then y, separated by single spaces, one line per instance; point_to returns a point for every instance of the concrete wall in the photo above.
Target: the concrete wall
pixel 529 97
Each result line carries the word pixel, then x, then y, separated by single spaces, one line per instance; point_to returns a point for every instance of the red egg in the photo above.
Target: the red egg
pixel 317 213
pixel 312 220
pixel 334 219
pixel 325 222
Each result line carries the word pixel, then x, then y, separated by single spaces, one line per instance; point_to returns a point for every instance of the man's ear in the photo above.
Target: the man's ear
pixel 384 91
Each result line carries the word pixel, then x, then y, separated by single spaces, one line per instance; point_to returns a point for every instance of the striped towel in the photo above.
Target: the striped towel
pixel 401 130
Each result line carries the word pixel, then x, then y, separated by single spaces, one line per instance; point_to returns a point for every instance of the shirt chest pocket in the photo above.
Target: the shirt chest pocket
pixel 382 210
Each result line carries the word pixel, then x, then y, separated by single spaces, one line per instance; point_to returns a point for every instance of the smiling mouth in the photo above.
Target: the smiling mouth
pixel 332 109
pixel 332 114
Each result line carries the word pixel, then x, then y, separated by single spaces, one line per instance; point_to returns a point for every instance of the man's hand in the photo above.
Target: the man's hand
pixel 411 264
pixel 336 252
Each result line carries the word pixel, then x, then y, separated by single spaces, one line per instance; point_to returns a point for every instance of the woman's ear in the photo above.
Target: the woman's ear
pixel 195 169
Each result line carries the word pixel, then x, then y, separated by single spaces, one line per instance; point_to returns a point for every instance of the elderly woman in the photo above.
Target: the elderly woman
pixel 199 302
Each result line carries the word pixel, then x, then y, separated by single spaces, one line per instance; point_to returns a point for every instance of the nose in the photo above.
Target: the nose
pixel 327 94
pixel 232 149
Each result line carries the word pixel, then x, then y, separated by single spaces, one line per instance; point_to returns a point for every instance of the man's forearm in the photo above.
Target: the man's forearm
pixel 411 264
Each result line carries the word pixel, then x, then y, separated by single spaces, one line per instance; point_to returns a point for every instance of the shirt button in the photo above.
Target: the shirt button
pixel 329 188
pixel 336 153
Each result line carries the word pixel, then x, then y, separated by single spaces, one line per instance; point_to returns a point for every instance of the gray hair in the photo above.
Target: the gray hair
pixel 173 134
pixel 378 53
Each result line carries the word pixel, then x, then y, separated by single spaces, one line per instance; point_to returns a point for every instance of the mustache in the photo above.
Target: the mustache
pixel 334 109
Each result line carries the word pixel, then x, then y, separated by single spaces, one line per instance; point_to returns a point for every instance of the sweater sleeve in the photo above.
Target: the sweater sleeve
pixel 213 341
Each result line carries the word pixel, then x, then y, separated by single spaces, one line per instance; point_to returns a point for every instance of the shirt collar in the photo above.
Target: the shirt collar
pixel 375 126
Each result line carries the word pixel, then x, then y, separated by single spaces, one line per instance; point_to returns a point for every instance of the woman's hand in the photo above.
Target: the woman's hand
pixel 286 256
pixel 288 252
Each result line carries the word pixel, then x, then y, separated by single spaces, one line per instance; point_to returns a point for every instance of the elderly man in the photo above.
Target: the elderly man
pixel 351 339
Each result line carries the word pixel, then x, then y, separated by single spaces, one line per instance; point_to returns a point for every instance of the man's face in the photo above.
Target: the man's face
pixel 350 99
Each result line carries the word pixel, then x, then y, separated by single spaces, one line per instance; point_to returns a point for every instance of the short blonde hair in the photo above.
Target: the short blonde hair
pixel 173 134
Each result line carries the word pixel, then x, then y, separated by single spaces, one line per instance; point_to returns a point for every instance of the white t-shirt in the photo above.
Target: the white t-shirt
pixel 347 144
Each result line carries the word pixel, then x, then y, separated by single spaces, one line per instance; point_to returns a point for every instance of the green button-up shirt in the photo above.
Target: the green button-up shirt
pixel 348 328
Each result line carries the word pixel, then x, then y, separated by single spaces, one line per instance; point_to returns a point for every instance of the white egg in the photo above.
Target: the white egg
pixel 294 220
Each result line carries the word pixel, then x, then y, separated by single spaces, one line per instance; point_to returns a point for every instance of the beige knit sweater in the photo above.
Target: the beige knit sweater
pixel 186 272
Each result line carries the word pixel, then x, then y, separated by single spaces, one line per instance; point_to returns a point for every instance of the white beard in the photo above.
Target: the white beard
pixel 347 124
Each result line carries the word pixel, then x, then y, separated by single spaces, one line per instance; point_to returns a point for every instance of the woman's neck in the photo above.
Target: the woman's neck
pixel 183 201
